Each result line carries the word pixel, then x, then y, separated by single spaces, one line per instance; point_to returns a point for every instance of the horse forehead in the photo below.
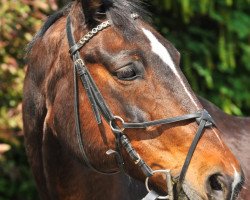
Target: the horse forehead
pixel 160 50
pixel 109 41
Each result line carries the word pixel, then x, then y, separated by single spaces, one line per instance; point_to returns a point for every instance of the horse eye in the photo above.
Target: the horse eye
pixel 127 73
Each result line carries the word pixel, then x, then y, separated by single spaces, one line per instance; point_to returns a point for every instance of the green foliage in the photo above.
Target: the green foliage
pixel 214 40
pixel 16 181
pixel 213 37
pixel 19 21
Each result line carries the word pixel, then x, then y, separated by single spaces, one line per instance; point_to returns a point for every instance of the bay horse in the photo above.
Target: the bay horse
pixel 117 111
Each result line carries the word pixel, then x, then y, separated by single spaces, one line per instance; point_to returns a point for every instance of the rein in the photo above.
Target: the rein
pixel 100 108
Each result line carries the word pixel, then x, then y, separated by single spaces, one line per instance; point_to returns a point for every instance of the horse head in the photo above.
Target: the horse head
pixel 132 72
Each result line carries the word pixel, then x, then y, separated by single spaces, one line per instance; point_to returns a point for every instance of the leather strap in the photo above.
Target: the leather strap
pixel 76 109
pixel 147 171
pixel 73 49
pixel 204 120
pixel 127 125
pixel 82 72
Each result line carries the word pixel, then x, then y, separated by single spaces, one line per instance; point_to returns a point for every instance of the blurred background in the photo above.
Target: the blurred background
pixel 213 37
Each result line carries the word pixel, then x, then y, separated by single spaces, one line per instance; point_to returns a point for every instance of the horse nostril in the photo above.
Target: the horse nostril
pixel 214 182
pixel 218 186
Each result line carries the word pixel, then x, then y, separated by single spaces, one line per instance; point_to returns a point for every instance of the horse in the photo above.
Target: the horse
pixel 108 111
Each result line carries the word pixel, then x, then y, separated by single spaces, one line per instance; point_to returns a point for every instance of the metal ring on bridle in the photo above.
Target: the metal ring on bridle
pixel 117 128
pixel 165 171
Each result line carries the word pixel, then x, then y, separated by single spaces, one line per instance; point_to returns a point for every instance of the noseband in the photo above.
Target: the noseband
pixel 100 108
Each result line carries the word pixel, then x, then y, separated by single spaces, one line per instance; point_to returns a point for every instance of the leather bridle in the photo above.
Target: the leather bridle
pixel 100 108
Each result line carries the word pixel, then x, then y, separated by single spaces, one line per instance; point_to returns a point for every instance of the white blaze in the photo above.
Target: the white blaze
pixel 237 180
pixel 164 55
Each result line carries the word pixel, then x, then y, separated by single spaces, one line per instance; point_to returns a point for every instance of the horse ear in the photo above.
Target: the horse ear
pixel 92 9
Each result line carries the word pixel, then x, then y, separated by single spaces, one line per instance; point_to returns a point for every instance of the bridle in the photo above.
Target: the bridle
pixel 118 125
